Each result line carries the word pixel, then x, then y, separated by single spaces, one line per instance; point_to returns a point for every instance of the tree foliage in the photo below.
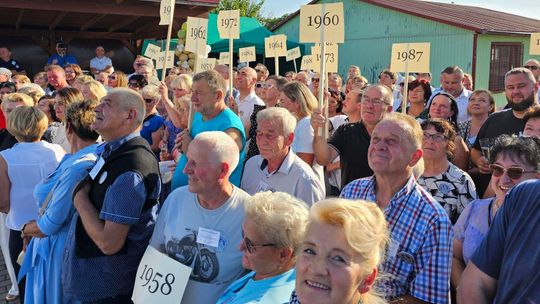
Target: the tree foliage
pixel 247 8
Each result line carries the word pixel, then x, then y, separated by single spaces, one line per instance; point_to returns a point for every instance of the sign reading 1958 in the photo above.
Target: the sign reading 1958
pixel 157 281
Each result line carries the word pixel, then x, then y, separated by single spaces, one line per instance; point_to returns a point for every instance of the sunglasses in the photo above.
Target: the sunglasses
pixel 315 79
pixel 148 100
pixel 112 77
pixel 133 84
pixel 512 172
pixel 531 67
pixel 260 85
pixel 250 247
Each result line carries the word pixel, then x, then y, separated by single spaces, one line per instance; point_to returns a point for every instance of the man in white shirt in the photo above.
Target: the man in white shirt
pixel 203 220
pixel 101 63
pixel 452 83
pixel 245 83
pixel 277 168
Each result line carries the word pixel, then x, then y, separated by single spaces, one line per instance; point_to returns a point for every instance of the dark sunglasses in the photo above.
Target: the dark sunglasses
pixel 531 67
pixel 133 84
pixel 512 172
pixel 259 85
pixel 148 100
pixel 250 247
pixel 112 77
pixel 315 79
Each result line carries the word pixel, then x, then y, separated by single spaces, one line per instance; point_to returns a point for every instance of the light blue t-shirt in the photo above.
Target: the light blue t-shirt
pixel 274 290
pixel 225 120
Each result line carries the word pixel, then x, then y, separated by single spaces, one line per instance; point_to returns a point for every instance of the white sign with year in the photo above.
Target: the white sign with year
pixel 160 279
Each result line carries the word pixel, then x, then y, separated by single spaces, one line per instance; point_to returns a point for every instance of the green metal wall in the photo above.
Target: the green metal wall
pixel 370 31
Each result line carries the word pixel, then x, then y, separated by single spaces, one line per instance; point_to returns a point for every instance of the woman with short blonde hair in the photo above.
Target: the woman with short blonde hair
pixel 93 90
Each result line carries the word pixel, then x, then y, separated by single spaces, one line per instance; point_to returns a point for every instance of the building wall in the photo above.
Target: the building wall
pixel 370 31
pixel 483 57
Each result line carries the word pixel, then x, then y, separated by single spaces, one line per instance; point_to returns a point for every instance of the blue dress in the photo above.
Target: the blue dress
pixel 43 260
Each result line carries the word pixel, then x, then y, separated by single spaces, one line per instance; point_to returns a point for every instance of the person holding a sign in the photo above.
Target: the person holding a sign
pixel 116 205
pixel 418 268
pixel 199 224
pixel 272 233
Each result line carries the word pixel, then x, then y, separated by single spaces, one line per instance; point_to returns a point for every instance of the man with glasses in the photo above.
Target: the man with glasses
pixel 350 141
pixel 277 167
pixel 419 256
pixel 61 58
pixel 202 221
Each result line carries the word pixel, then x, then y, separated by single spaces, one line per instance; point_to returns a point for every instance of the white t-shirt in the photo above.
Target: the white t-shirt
pixel 100 63
pixel 303 143
pixel 175 232
pixel 245 106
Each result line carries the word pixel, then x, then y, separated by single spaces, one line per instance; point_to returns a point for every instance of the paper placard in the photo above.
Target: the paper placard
pixel 275 46
pixel 410 57
pixel 228 23
pixel 196 35
pixel 331 56
pixel 318 21
pixel 293 54
pixel 152 51
pixel 205 64
pixel 165 10
pixel 224 58
pixel 535 44
pixel 247 54
pixel 307 63
pixel 159 279
pixel 161 59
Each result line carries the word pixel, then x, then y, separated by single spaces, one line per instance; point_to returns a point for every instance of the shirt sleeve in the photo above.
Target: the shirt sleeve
pixel 433 264
pixel 124 199
pixel 304 138
pixel 463 222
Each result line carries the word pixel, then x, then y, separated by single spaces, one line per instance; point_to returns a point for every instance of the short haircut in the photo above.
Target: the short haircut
pixel 75 67
pixel 421 83
pixel 523 149
pixel 27 124
pixel 280 115
pixel 300 93
pixel 83 78
pixel 280 81
pixel 80 116
pixel 17 97
pixel 56 68
pixel 33 90
pixel 364 227
pixel 290 73
pixel 21 78
pixel 215 81
pixel 411 127
pixel 182 81
pixel 128 99
pixel 146 61
pixel 221 148
pixel 150 92
pixel 525 71
pixel 10 85
pixel 263 67
pixel 392 75
pixel 139 79
pixel 454 69
pixel 446 129
pixel 532 112
pixel 69 95
pixel 388 97
pixel 490 98
pixel 279 216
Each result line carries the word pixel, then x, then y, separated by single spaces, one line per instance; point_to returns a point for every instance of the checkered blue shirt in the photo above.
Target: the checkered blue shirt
pixel 419 256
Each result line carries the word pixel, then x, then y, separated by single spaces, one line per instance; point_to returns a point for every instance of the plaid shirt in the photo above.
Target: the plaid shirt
pixel 419 256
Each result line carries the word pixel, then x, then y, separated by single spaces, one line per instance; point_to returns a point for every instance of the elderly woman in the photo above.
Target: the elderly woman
pixel 481 105
pixel 42 265
pixel 117 79
pixel 419 93
pixel 532 122
pixel 63 98
pixel 152 127
pixel 512 160
pixel 450 186
pixel 338 260
pixel 21 169
pixel 20 80
pixel 272 231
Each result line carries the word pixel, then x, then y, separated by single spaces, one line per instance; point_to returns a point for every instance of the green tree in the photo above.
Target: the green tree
pixel 247 8
pixel 270 22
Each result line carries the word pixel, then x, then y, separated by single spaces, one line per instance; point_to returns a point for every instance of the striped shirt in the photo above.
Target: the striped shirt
pixel 418 259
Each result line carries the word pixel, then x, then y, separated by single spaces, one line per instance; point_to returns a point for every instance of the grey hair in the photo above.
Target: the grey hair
pixel 151 91
pixel 281 115
pixel 388 96
pixel 221 148
pixel 215 81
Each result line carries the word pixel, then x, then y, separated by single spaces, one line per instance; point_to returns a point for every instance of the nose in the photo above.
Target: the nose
pixel 187 168
pixel 318 266
pixel 242 246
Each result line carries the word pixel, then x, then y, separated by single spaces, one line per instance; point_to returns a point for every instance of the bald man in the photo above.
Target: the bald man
pixel 245 83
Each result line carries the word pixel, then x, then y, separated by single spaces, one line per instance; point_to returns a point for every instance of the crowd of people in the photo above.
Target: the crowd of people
pixel 400 205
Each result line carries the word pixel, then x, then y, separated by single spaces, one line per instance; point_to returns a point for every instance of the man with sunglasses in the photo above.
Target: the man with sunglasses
pixel 534 66
pixel 200 224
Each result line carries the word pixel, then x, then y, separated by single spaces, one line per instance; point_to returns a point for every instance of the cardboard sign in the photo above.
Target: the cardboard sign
pixel 165 10
pixel 307 63
pixel 410 57
pixel 228 23
pixel 247 54
pixel 161 60
pixel 535 44
pixel 224 58
pixel 293 54
pixel 205 64
pixel 331 58
pixel 152 51
pixel 160 279
pixel 275 46
pixel 197 29
pixel 322 22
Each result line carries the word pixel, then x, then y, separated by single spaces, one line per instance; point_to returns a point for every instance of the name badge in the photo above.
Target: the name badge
pixel 97 167
pixel 160 279
pixel 208 237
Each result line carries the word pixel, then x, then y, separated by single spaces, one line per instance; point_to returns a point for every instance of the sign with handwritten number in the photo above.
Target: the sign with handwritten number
pixel 159 279
pixel 152 51
pixel 327 18
pixel 197 29
pixel 224 58
pixel 410 57
pixel 535 44
pixel 160 61
pixel 247 54
pixel 228 23
pixel 293 54
pixel 205 64
pixel 165 9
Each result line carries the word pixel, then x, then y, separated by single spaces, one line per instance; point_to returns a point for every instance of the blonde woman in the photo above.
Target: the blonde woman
pixel 93 90
pixel 338 259
pixel 20 80
pixel 117 79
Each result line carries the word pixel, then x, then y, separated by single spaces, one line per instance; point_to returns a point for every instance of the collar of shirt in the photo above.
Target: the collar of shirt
pixel 284 167
pixel 115 144
pixel 248 97
pixel 399 197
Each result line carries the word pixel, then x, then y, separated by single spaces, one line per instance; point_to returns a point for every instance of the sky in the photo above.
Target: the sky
pixel 527 8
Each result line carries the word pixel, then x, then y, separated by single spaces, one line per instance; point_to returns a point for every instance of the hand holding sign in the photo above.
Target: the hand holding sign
pixel 228 23
pixel 322 22
pixel 410 57
pixel 247 54
pixel 197 29
pixel 535 44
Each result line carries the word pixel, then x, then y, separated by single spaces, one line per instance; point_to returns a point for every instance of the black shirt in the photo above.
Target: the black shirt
pixel 11 64
pixel 503 122
pixel 352 142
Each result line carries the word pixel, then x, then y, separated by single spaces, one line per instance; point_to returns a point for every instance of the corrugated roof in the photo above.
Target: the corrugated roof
pixel 478 19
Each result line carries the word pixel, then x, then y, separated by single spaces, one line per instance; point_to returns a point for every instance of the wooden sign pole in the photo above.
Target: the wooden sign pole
pixel 405 85
pixel 322 78
pixel 168 44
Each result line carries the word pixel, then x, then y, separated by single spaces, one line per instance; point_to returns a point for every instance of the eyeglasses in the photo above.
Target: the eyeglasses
pixel 374 101
pixel 250 247
pixel 112 77
pixel 260 85
pixel 435 137
pixel 531 67
pixel 148 100
pixel 512 172
pixel 315 79
pixel 133 84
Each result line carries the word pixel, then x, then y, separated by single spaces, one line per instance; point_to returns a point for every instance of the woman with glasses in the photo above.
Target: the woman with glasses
pixel 72 72
pixel 272 233
pixel 512 160
pixel 137 82
pixel 117 79
pixel 152 127
pixel 449 185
